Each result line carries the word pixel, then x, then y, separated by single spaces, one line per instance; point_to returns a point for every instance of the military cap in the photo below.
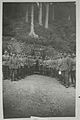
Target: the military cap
pixel 73 55
pixel 5 52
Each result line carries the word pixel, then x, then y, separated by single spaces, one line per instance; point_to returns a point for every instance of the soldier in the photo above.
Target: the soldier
pixel 37 65
pixel 48 67
pixel 55 67
pixel 13 67
pixel 59 72
pixel 24 63
pixel 10 65
pixel 41 65
pixel 18 66
pixel 47 70
pixel 73 70
pixel 5 64
pixel 21 66
pixel 65 69
pixel 44 67
pixel 27 65
pixel 33 65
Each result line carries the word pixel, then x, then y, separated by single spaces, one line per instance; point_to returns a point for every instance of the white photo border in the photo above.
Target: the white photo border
pixel 77 117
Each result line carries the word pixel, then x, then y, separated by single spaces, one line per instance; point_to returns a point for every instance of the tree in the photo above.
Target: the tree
pixel 32 33
pixel 47 15
pixel 69 17
pixel 53 12
pixel 27 14
pixel 40 14
pixel 52 5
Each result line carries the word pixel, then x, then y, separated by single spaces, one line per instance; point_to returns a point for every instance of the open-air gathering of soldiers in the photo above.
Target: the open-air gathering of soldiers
pixel 17 66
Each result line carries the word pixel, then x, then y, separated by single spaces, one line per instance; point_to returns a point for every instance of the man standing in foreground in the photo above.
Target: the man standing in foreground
pixel 5 63
pixel 13 67
pixel 65 67
pixel 73 70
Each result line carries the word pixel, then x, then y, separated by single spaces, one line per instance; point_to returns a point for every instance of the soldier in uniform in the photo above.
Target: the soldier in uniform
pixel 37 65
pixel 47 70
pixel 64 67
pixel 28 65
pixel 18 66
pixel 33 65
pixel 55 69
pixel 41 65
pixel 13 67
pixel 5 64
pixel 21 66
pixel 73 69
pixel 25 65
pixel 59 72
pixel 44 67
pixel 48 67
pixel 10 64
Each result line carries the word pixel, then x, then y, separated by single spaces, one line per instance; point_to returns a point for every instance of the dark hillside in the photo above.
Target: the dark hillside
pixel 60 35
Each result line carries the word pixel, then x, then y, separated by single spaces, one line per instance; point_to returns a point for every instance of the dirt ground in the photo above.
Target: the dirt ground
pixel 39 96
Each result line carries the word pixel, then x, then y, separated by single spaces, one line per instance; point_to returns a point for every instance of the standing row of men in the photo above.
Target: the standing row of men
pixel 17 66
pixel 67 69
pixel 63 67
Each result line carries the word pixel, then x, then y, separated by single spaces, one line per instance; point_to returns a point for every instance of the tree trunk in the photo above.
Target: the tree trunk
pixel 69 18
pixel 27 14
pixel 32 33
pixel 47 15
pixel 53 13
pixel 40 14
pixel 32 19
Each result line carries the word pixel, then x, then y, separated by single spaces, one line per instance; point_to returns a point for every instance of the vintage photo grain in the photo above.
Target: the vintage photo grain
pixel 39 59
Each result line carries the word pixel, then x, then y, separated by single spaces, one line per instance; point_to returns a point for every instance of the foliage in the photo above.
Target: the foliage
pixel 58 37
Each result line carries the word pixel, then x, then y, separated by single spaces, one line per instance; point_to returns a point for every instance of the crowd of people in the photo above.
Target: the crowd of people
pixel 17 66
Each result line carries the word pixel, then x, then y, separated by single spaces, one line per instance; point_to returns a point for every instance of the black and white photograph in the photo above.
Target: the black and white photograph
pixel 39 59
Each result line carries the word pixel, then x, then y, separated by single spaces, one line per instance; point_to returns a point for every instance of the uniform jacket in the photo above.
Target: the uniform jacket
pixel 73 64
pixel 5 60
pixel 65 64
pixel 13 63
